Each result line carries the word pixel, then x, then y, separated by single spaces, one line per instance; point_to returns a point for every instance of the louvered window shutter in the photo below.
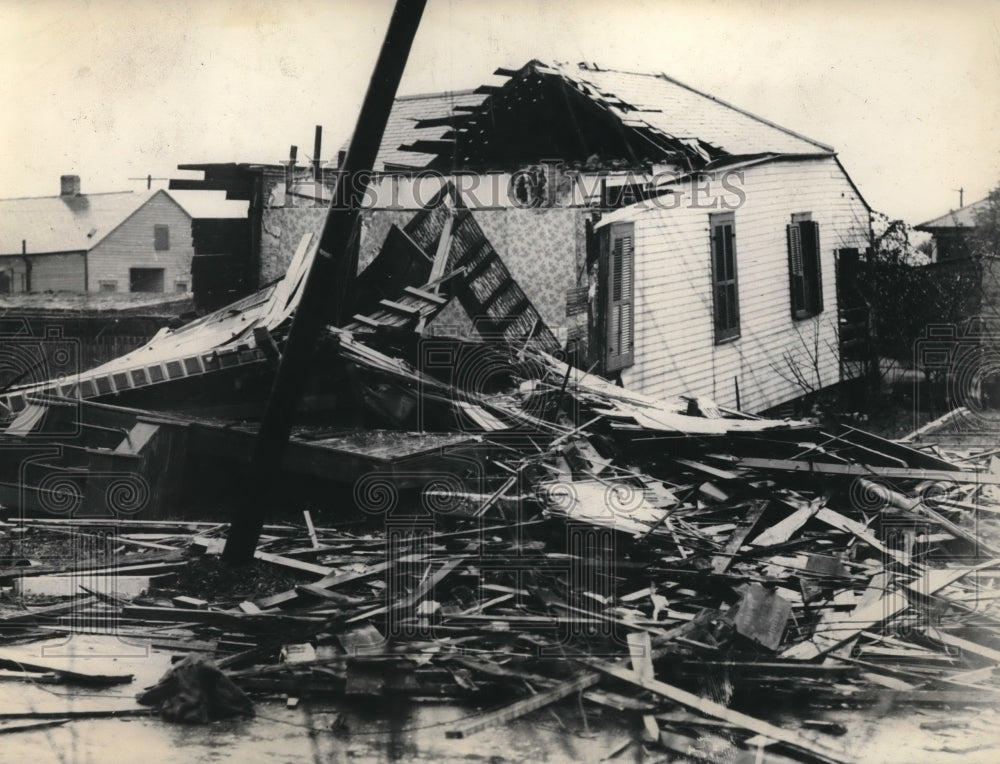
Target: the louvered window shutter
pixel 620 317
pixel 725 289
pixel 810 256
pixel 805 276
pixel 796 273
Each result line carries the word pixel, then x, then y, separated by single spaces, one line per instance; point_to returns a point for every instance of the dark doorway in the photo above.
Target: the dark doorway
pixel 145 279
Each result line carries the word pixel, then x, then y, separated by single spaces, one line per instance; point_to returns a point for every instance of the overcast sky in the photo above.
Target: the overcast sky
pixel 907 92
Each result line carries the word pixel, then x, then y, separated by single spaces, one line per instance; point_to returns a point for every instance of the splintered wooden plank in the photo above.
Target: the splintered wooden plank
pixel 522 707
pixel 137 438
pixel 640 648
pixel 312 531
pixel 336 579
pixel 813 745
pixel 323 593
pixel 709 470
pixel 237 621
pixel 327 582
pixel 761 616
pixel 428 584
pixel 16 661
pixel 48 612
pixel 293 564
pixel 783 530
pixel 402 309
pixel 863 470
pixel 877 587
pixel 722 561
pixel 277 599
pixel 838 521
pixel 896 450
pixel 26 421
pixel 444 246
pixel 69 586
pixel 618 702
pixel 829 634
pixel 369 322
pixel 31 725
pixel 424 295
pixel 964 645
pixel 411 600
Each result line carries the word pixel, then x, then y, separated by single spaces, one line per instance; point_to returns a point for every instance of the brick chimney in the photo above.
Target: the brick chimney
pixel 69 185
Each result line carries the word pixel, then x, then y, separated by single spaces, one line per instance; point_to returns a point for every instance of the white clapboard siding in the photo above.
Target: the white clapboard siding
pixel 675 350
pixel 130 245
pixel 63 272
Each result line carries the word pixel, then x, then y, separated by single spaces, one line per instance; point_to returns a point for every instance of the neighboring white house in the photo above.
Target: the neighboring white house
pixel 108 242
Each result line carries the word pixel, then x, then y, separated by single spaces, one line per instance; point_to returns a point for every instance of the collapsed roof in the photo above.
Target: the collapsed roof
pixel 580 114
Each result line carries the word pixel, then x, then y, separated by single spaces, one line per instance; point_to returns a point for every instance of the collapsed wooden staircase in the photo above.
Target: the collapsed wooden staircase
pixel 489 293
pixel 464 264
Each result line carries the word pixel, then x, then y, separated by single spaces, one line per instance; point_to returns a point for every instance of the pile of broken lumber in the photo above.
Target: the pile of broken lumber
pixel 668 562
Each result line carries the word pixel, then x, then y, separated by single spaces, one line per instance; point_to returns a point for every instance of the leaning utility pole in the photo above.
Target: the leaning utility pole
pixel 327 283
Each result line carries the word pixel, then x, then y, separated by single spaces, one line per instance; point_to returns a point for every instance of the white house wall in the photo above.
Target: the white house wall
pixel 675 350
pixel 131 246
pixel 57 272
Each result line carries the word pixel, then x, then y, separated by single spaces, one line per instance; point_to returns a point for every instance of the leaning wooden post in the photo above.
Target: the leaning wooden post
pixel 327 283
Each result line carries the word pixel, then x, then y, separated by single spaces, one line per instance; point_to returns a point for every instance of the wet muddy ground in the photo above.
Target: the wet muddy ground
pixel 323 731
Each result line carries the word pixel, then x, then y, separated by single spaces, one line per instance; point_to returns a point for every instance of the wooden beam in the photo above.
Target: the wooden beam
pixel 423 295
pixel 965 645
pixel 745 526
pixel 522 707
pixel 810 745
pixel 326 290
pixel 292 564
pixel 15 661
pixel 327 582
pixel 918 507
pixel 226 619
pixel 846 626
pixel 900 473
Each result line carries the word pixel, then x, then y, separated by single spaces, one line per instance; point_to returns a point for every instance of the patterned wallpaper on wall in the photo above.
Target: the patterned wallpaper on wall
pixel 539 248
pixel 283 228
pixel 542 248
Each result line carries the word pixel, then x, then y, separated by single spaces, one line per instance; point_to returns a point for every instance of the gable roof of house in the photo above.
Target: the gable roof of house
pixel 965 217
pixel 661 114
pixel 679 110
pixel 68 223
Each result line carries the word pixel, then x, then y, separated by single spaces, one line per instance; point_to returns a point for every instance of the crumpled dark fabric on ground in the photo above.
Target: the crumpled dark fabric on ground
pixel 195 691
